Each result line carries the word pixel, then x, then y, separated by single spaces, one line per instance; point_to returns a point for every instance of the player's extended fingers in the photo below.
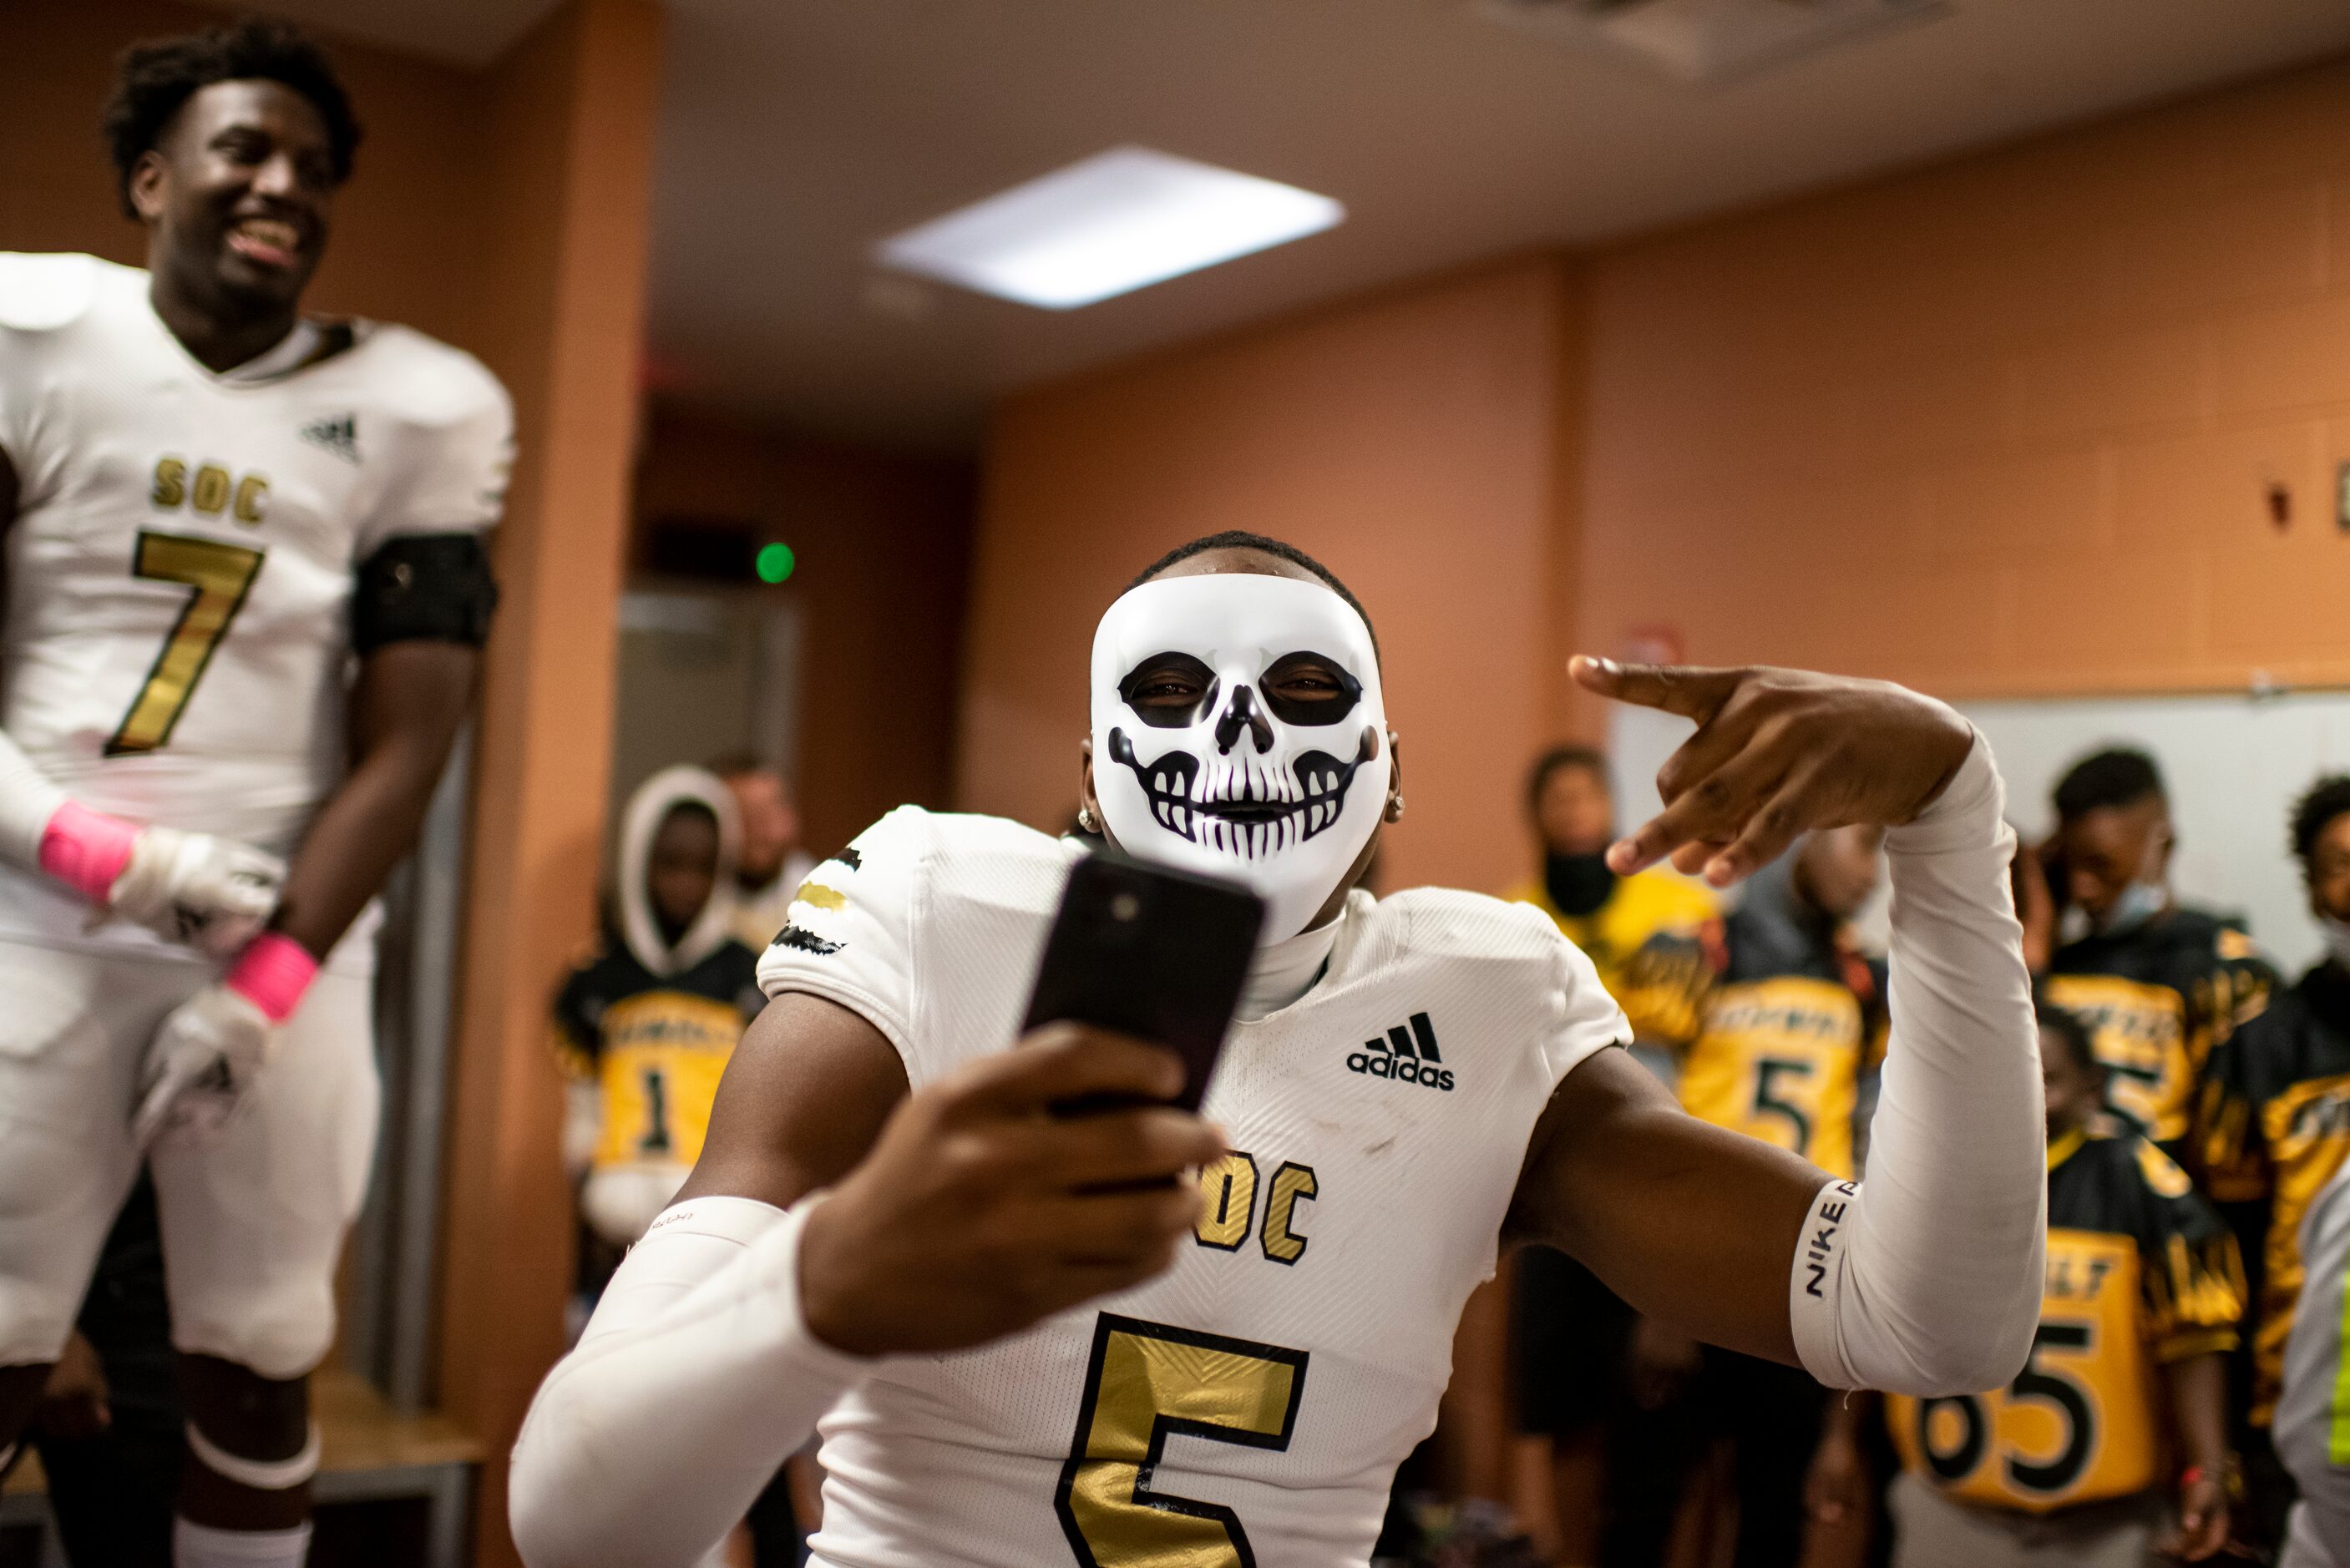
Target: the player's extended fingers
pixel 1767 833
pixel 1714 809
pixel 1694 691
pixel 1063 1062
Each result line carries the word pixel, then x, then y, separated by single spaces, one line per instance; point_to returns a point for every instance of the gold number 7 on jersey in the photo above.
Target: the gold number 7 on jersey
pixel 222 574
pixel 1147 1382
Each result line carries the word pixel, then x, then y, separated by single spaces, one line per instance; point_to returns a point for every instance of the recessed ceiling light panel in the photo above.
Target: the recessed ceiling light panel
pixel 1115 222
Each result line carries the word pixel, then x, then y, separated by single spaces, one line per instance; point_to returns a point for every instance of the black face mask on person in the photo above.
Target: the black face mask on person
pixel 1577 884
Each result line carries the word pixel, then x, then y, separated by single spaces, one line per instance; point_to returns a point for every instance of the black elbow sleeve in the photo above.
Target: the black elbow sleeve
pixel 431 586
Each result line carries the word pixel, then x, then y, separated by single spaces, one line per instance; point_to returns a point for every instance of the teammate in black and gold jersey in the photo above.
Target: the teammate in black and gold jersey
pixel 2123 1403
pixel 2278 1124
pixel 2159 985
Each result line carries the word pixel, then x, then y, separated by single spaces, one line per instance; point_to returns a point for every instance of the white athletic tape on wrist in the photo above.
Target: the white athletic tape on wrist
pixel 261 1475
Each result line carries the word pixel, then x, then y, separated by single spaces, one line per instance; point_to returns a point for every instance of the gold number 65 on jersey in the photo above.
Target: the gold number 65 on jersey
pixel 222 574
pixel 1147 1382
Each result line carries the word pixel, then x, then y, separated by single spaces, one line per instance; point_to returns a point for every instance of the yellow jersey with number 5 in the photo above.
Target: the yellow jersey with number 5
pixel 2141 1272
pixel 185 545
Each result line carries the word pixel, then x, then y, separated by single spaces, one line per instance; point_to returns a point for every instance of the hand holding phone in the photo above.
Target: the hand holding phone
pixel 1152 953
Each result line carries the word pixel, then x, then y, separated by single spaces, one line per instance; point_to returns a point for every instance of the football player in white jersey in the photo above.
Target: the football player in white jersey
pixel 1028 1342
pixel 246 592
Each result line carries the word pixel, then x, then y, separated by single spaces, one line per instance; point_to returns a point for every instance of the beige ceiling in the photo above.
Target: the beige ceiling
pixel 795 133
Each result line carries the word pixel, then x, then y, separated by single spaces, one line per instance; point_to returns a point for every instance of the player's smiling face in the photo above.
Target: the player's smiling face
pixel 237 194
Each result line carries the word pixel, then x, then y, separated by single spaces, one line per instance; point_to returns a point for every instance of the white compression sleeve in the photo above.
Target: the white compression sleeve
pixel 696 1379
pixel 28 801
pixel 1925 1278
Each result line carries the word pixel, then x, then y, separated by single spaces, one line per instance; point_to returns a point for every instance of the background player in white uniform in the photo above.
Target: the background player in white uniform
pixel 1226 1370
pixel 212 505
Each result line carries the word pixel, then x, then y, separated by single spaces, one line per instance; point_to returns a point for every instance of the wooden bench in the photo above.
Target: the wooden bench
pixel 368 1452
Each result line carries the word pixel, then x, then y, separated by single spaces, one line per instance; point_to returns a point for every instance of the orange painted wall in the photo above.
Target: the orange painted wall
pixel 1411 442
pixel 884 562
pixel 2005 426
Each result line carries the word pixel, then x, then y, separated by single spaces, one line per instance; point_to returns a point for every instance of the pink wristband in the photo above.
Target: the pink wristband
pixel 86 849
pixel 272 973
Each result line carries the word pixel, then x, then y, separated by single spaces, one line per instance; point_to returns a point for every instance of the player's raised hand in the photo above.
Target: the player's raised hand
pixel 211 894
pixel 1777 753
pixel 980 1211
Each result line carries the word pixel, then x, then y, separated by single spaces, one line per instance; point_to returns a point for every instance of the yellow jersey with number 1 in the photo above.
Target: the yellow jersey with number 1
pixel 2141 1272
pixel 181 565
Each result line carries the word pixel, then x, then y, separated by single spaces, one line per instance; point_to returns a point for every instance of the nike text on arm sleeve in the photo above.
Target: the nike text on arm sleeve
pixel 1928 1282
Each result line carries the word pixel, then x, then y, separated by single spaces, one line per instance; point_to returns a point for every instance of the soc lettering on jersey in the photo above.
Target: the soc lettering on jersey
pixel 1253 1402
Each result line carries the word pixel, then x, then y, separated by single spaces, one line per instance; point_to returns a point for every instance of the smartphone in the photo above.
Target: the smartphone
pixel 1151 952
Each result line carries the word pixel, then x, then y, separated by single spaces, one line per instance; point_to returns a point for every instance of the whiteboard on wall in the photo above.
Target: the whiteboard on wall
pixel 2234 765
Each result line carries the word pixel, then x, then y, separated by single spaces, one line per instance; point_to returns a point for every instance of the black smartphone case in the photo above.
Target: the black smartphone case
pixel 1155 953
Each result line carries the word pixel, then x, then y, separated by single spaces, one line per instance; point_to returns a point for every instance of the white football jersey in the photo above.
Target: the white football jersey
pixel 1251 1405
pixel 180 568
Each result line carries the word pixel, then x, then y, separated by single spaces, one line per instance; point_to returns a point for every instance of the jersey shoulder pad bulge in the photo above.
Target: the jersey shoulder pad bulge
pixel 44 292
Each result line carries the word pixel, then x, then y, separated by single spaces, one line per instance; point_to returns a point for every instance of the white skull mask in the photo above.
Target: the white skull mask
pixel 1233 714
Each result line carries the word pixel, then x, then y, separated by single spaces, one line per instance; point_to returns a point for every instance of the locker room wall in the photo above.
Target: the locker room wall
pixel 2003 426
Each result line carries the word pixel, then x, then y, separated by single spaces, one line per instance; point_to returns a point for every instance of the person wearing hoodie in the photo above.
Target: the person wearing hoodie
pixel 1776 1018
pixel 644 1029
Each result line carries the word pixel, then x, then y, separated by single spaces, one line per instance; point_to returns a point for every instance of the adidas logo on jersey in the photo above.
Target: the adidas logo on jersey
pixel 1408 1054
pixel 338 434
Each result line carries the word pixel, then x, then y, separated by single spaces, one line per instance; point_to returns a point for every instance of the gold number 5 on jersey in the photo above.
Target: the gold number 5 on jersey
pixel 1147 1382
pixel 221 574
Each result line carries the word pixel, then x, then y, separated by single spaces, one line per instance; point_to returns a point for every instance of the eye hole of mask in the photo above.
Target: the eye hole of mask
pixel 1169 690
pixel 1310 689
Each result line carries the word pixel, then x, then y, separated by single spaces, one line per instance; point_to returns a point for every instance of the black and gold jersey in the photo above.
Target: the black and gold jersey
pixel 2157 1000
pixel 655 1047
pixel 2277 1127
pixel 1643 906
pixel 1773 1018
pixel 2141 1272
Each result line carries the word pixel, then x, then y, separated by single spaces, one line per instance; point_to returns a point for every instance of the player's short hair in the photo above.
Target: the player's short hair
pixel 1241 539
pixel 2120 775
pixel 1591 758
pixel 2326 799
pixel 153 80
pixel 2065 1025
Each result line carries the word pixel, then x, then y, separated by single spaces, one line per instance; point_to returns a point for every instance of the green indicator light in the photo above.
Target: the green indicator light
pixel 775 563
